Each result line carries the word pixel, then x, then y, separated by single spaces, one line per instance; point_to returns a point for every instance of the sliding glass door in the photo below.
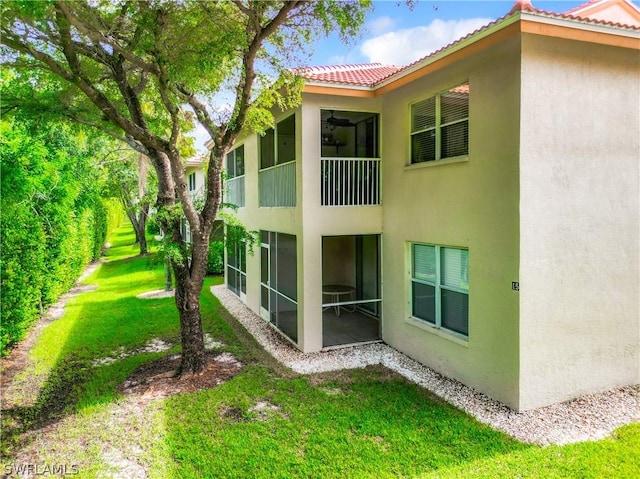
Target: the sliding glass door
pixel 279 282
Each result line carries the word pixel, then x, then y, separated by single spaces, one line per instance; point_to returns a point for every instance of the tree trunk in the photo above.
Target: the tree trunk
pixel 168 284
pixel 188 275
pixel 132 219
pixel 142 242
pixel 193 357
pixel 141 229
pixel 187 298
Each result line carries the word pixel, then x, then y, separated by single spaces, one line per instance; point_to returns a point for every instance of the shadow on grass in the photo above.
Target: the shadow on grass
pixel 271 422
pixel 65 375
pixel 267 421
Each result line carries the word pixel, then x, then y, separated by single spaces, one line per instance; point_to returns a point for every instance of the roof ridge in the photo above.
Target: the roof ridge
pixel 522 6
pixel 349 74
pixel 586 4
pixel 344 68
pixel 518 7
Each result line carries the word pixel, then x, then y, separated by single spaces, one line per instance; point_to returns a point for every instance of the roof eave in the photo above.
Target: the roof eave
pixel 337 88
pixel 595 26
pixel 445 52
pixel 522 21
pixel 522 18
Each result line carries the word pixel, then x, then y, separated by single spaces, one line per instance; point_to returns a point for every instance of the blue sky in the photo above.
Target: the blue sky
pixel 394 34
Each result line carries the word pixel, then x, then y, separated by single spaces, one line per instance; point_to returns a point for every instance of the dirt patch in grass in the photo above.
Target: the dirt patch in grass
pixel 378 372
pixel 158 379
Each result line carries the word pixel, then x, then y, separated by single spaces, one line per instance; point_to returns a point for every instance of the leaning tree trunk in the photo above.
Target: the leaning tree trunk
pixel 133 220
pixel 139 225
pixel 141 229
pixel 189 275
pixel 143 176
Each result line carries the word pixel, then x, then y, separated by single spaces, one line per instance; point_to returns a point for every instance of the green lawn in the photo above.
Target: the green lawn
pixel 267 422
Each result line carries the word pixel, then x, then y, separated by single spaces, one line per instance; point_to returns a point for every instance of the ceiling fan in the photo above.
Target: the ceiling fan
pixel 334 122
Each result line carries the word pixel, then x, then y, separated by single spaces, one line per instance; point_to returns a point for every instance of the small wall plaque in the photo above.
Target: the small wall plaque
pixel 515 286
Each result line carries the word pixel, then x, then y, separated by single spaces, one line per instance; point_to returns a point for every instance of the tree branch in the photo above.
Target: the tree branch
pixel 200 109
pixel 97 37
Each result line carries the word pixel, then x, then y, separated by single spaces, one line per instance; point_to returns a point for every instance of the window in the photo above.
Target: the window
pixel 234 184
pixel 235 162
pixel 277 175
pixel 279 282
pixel 349 134
pixel 185 231
pixel 279 146
pixel 440 286
pixel 236 262
pixel 192 181
pixel 440 126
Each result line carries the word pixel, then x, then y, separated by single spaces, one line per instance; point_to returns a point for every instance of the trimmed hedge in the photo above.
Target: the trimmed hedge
pixel 53 220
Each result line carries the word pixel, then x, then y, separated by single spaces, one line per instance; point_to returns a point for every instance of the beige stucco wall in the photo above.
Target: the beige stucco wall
pixel 283 220
pixel 548 196
pixel 319 221
pixel 472 204
pixel 308 221
pixel 579 206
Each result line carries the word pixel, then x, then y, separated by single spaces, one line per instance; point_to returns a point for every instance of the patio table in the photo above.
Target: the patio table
pixel 335 292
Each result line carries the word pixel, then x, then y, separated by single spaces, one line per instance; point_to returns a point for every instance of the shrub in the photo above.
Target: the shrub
pixel 215 264
pixel 152 227
pixel 53 219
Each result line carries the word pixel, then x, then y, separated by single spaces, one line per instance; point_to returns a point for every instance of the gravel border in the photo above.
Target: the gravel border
pixel 589 417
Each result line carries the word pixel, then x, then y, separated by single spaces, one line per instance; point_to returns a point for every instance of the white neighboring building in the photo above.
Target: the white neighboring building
pixel 195 171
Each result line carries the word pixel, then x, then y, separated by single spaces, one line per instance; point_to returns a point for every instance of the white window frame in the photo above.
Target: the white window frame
pixel 438 287
pixel 437 127
pixel 276 152
pixel 240 270
pixel 232 154
pixel 192 181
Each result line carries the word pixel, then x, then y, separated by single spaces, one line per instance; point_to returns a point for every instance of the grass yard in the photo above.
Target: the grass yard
pixel 266 422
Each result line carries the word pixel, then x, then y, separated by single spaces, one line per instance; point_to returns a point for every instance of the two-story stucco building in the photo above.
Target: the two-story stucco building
pixel 477 210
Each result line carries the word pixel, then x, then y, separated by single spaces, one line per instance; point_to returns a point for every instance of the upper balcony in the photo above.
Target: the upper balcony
pixel 349 166
pixel 277 175
pixel 350 163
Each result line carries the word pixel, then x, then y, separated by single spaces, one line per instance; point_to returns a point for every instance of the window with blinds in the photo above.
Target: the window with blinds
pixel 440 286
pixel 440 126
pixel 235 162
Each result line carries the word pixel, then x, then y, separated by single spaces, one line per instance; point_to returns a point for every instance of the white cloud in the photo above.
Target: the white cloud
pixel 408 45
pixel 380 24
pixel 338 60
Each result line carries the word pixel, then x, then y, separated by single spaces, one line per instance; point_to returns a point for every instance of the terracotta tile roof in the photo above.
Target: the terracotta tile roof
pixel 573 14
pixel 364 74
pixel 521 6
pixel 581 7
pixel 592 8
pixel 372 74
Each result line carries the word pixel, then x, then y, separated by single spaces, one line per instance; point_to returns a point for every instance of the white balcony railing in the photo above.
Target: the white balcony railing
pixel 234 191
pixel 278 185
pixel 350 181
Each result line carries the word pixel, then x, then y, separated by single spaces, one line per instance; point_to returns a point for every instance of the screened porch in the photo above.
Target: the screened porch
pixel 350 163
pixel 351 302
